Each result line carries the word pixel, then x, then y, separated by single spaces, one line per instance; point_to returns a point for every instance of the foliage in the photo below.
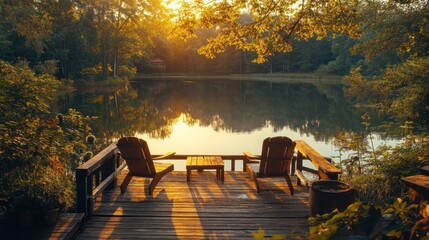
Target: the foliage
pixel 344 60
pixel 37 147
pixel 396 25
pixel 397 220
pixel 30 20
pixel 376 172
pixel 41 188
pixel 400 161
pixel 95 72
pixel 48 67
pixel 261 235
pixel 80 34
pixel 402 92
pixel 327 226
pixel 127 72
pixel 268 26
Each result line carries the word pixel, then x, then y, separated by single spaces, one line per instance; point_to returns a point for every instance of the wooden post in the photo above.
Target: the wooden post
pixel 89 200
pixel 81 190
pixel 299 158
pixel 108 168
pixel 245 162
pixel 116 163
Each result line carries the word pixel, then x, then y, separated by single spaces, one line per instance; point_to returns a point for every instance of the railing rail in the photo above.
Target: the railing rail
pixel 101 171
pixel 324 168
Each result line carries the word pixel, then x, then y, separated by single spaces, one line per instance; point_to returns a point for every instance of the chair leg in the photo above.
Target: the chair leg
pixel 125 183
pixel 256 183
pixel 157 178
pixel 253 178
pixel 154 182
pixel 289 183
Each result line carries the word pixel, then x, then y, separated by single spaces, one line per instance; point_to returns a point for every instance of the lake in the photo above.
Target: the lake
pixel 217 115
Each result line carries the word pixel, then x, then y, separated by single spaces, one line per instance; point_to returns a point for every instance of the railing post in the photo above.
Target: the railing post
pixel 299 159
pixel 245 162
pixel 116 163
pixel 81 190
pixel 89 187
pixel 108 168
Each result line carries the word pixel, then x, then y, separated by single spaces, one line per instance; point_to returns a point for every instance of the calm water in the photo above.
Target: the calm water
pixel 216 116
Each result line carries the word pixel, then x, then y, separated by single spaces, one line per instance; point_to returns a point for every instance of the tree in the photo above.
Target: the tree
pixel 29 20
pixel 402 90
pixel 67 41
pixel 395 24
pixel 125 28
pixel 272 25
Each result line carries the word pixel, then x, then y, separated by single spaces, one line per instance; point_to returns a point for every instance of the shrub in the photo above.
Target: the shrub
pixel 37 147
pixel 396 220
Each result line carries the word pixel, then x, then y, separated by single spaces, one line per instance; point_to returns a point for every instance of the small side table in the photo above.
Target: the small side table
pixel 418 185
pixel 205 162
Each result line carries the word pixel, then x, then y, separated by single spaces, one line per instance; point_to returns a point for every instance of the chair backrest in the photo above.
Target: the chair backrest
pixel 277 154
pixel 137 156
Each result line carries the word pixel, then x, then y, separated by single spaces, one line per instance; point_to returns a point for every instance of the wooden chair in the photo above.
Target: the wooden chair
pixel 275 160
pixel 140 163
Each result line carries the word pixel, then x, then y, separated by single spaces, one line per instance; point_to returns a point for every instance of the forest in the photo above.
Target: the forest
pixel 379 47
pixel 110 38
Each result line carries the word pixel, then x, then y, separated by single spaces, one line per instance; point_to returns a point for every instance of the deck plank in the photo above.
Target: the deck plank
pixel 204 208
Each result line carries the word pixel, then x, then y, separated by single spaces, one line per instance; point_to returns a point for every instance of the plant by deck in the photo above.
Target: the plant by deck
pixel 39 149
pixel 395 220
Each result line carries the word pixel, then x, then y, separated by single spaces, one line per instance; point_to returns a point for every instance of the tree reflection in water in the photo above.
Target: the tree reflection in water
pixel 216 116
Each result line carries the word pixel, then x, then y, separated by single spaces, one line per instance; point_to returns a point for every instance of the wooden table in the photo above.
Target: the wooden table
pixel 205 162
pixel 418 185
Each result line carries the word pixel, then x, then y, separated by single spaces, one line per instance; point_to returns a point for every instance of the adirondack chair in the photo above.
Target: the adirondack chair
pixel 140 163
pixel 275 160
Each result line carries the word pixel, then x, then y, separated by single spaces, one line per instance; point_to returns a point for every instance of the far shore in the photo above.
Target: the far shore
pixel 273 77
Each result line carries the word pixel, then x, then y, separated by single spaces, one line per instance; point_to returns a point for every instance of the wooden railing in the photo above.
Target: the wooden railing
pixel 323 166
pixel 101 171
pixel 95 175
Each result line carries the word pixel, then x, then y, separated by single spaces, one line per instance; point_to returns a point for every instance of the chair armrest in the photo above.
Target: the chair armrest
pixel 164 156
pixel 250 155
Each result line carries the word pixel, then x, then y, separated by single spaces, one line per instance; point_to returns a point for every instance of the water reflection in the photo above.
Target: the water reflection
pixel 216 116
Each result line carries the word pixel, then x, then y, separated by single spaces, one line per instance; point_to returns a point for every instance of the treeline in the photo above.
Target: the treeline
pixel 85 38
pixel 329 55
pixel 100 39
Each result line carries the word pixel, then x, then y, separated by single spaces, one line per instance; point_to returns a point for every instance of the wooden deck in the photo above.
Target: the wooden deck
pixel 204 208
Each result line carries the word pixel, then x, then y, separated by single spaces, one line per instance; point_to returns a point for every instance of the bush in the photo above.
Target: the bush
pixel 37 148
pixel 396 220
pixel 376 173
